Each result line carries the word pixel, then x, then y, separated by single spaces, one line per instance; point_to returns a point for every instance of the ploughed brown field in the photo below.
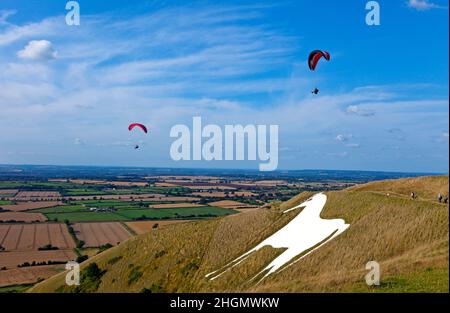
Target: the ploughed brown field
pixel 37 195
pixel 28 237
pixel 142 227
pixel 24 206
pixel 98 234
pixel 165 185
pixel 14 258
pixel 222 194
pixel 28 275
pixel 230 204
pixel 8 192
pixel 22 217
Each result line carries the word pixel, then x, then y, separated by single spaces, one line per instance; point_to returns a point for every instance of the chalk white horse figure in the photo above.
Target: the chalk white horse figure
pixel 307 231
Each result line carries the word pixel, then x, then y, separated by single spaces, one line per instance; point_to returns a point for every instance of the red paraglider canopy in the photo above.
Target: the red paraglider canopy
pixel 133 125
pixel 315 56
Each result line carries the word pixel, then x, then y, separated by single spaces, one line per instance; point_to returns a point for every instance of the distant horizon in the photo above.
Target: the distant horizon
pixel 221 169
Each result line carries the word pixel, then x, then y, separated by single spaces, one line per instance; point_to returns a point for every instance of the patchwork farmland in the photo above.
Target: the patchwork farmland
pixel 49 221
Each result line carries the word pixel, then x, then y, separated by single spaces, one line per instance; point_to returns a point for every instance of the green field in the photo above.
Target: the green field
pixel 16 288
pixel 131 213
pixel 85 205
pixel 86 217
pixel 5 202
pixel 109 203
pixel 84 192
pixel 62 209
pixel 175 213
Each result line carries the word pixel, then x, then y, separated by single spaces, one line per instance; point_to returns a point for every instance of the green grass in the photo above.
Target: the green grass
pixel 84 192
pixel 86 217
pixel 84 206
pixel 62 209
pixel 15 288
pixel 427 280
pixel 129 213
pixel 76 212
pixel 108 203
pixel 5 202
pixel 175 212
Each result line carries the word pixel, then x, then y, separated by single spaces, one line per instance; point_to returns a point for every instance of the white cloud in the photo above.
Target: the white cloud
pixel 344 138
pixel 39 50
pixel 423 5
pixel 353 145
pixel 357 110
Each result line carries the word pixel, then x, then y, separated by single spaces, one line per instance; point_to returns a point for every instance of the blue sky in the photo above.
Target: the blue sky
pixel 383 101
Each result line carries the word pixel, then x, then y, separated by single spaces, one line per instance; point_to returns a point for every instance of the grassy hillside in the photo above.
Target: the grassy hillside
pixel 409 238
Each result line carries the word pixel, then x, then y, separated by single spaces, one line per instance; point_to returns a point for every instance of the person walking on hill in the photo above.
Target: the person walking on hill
pixel 413 195
pixel 440 197
pixel 445 199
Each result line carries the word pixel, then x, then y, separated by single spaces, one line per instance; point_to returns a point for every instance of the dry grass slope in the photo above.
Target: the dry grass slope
pixel 409 238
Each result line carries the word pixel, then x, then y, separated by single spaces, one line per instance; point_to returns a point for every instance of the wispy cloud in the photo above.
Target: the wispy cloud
pixel 43 29
pixel 4 14
pixel 423 5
